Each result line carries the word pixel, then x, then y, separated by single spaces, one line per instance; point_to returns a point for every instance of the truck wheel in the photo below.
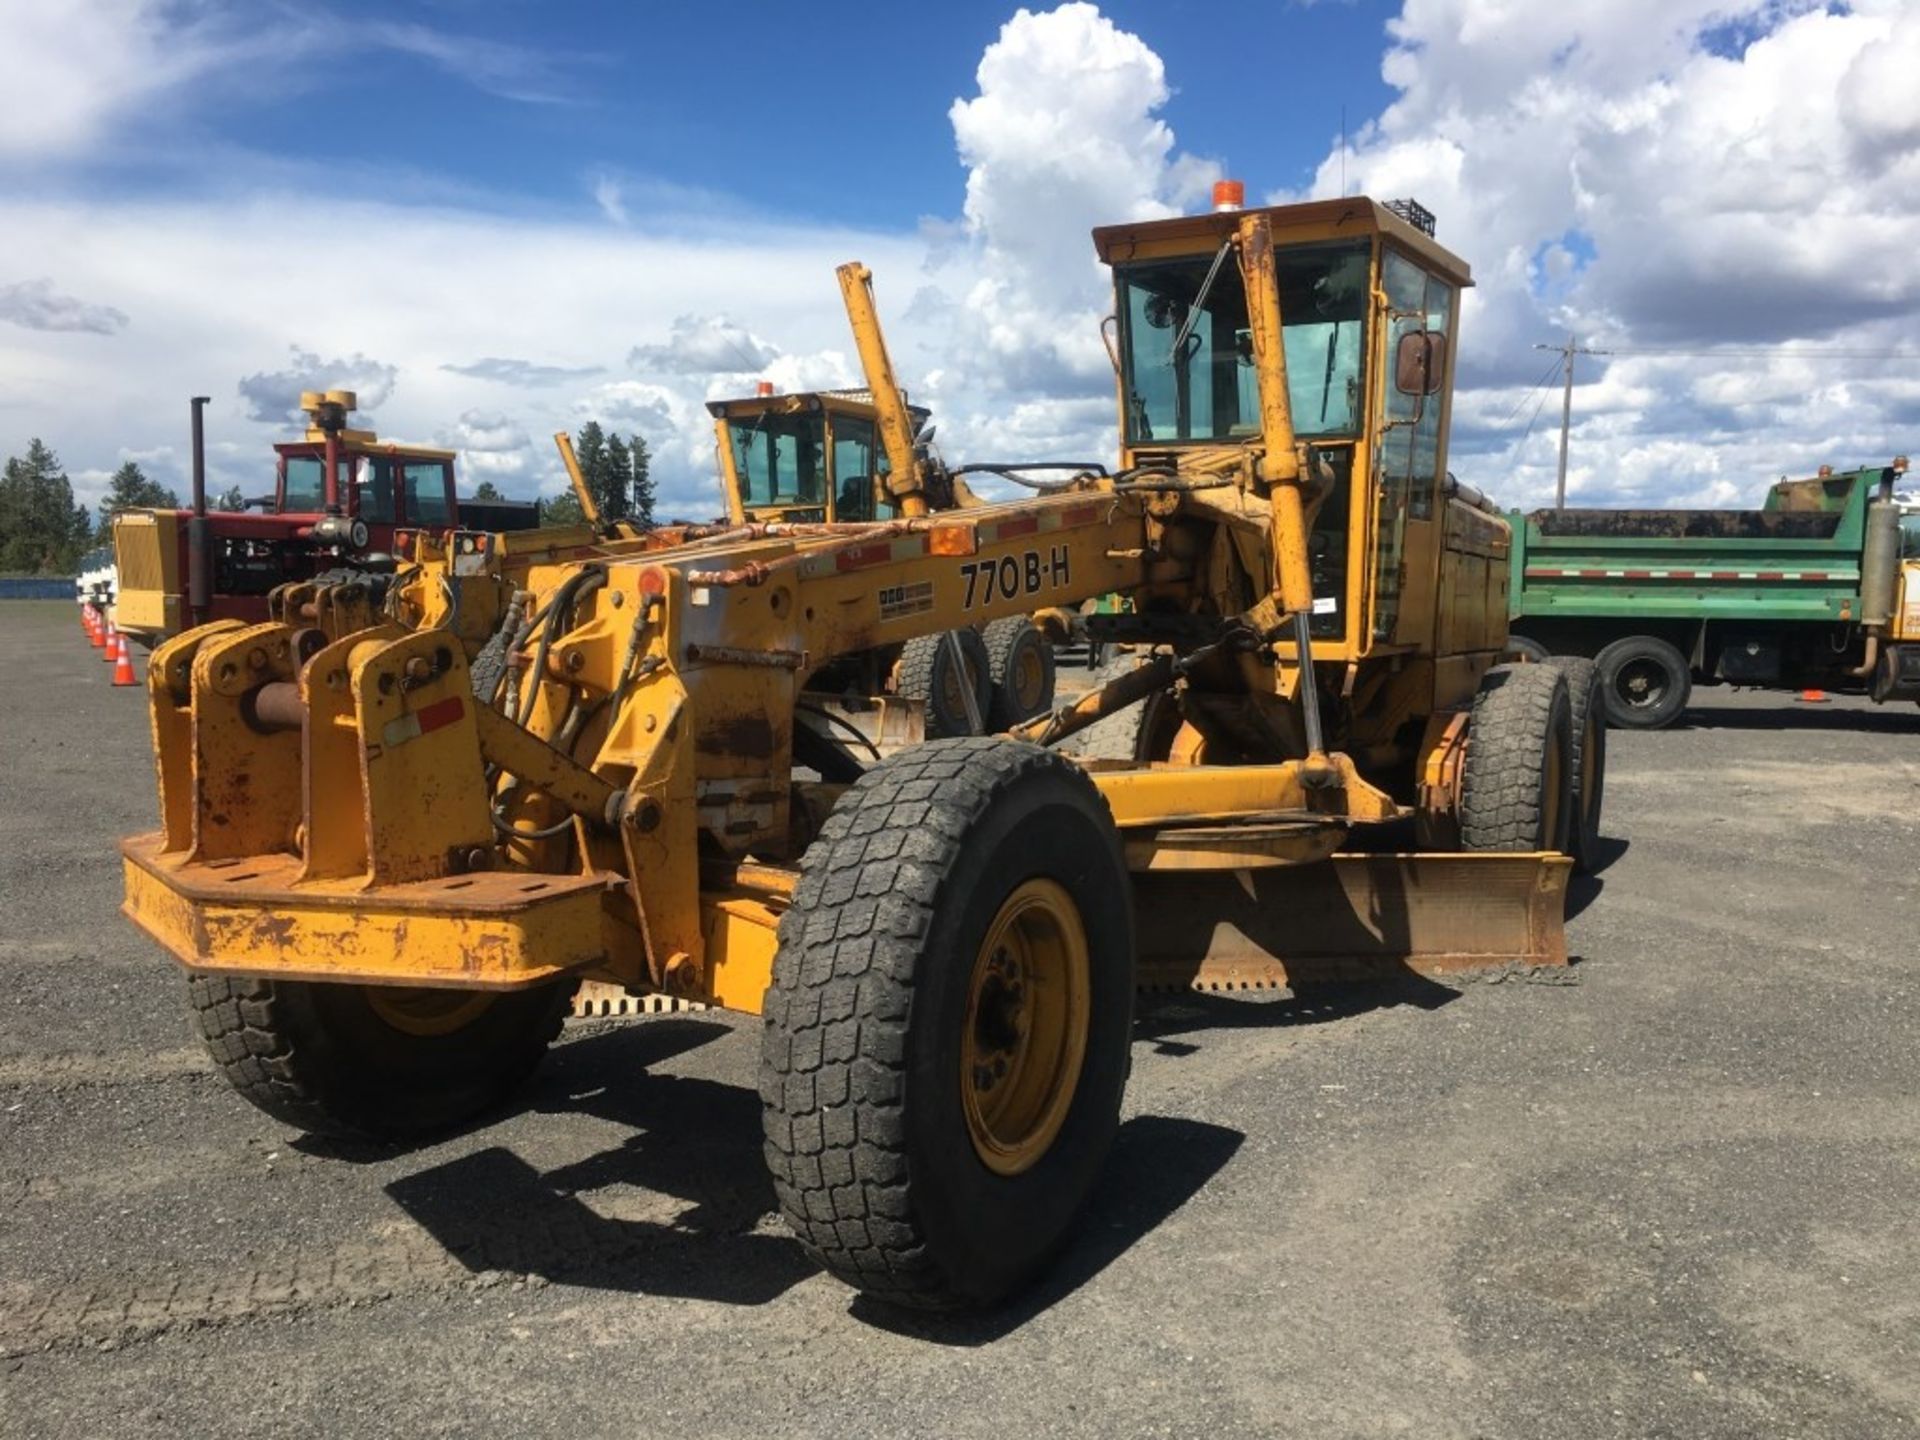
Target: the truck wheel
pixel 946 1034
pixel 1531 652
pixel 379 1062
pixel 1644 681
pixel 927 673
pixel 1588 726
pixel 1020 664
pixel 1516 790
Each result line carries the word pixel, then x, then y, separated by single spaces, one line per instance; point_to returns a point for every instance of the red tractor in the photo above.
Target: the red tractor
pixel 339 497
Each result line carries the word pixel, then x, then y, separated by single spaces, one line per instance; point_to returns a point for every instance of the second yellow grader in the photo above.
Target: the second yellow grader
pixel 385 886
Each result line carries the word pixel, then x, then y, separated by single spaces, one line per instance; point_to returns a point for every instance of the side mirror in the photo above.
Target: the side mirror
pixel 1419 362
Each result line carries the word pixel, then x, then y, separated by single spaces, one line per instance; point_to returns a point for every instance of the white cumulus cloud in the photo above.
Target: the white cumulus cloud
pixel 1657 176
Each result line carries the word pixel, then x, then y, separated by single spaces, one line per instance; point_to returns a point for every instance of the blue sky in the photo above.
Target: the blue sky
pixel 496 219
pixel 830 113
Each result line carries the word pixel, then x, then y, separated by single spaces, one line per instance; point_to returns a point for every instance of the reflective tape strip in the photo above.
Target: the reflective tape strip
pixel 414 724
pixel 880 552
pixel 1550 572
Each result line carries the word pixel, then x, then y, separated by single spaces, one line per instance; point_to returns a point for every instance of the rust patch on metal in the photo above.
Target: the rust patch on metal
pixel 748 736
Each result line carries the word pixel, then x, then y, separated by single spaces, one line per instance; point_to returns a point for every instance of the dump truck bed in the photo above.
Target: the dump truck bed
pixel 1788 561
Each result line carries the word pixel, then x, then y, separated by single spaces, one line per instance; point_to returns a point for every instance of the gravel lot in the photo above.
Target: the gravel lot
pixel 1670 1193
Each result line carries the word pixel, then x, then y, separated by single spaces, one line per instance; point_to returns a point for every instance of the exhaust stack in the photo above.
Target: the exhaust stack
pixel 199 537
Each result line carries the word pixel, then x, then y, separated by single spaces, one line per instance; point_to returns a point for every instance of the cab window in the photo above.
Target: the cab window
pixel 854 479
pixel 1187 353
pixel 426 492
pixel 376 487
pixel 781 460
pixel 305 490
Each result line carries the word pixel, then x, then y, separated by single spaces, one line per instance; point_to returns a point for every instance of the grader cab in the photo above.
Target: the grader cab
pixel 812 457
pixel 816 458
pixel 385 886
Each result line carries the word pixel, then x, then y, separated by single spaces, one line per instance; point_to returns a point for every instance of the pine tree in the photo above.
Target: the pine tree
pixel 131 489
pixel 233 501
pixel 590 449
pixel 487 490
pixel 41 529
pixel 562 509
pixel 642 483
pixel 615 496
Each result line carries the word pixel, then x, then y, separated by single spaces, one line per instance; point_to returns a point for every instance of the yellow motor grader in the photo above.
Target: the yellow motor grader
pixel 385 886
pixel 814 458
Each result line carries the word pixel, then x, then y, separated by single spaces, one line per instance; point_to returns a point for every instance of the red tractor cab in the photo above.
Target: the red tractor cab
pixel 340 494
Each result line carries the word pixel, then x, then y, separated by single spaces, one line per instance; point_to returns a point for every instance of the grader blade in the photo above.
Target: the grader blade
pixel 1354 917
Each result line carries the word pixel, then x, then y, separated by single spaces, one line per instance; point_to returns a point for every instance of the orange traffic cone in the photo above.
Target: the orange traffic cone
pixel 96 628
pixel 123 663
pixel 106 648
pixel 1812 697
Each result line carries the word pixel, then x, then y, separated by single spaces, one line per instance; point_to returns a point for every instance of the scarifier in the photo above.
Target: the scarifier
pixel 385 885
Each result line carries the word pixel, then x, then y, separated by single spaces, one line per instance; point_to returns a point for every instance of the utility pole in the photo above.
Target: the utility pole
pixel 1567 352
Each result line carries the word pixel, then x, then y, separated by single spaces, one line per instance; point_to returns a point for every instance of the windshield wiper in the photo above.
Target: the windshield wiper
pixel 1326 381
pixel 1177 355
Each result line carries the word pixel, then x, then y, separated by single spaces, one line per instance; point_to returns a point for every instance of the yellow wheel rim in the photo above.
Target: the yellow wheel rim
pixel 1029 678
pixel 1028 1004
pixel 955 682
pixel 416 1010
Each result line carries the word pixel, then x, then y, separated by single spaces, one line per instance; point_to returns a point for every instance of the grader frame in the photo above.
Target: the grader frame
pixel 341 812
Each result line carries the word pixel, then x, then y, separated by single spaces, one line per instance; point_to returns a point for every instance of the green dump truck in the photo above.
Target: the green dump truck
pixel 1817 589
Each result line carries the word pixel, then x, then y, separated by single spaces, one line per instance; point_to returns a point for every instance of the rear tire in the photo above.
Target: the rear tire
pixel 1516 787
pixel 1020 665
pixel 1644 681
pixel 1159 723
pixel 927 674
pixel 373 1062
pixel 946 1035
pixel 1588 726
pixel 1521 649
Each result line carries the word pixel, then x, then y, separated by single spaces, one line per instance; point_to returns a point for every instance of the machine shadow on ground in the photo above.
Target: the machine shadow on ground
pixel 1163 1015
pixel 1793 715
pixel 1583 890
pixel 1158 1163
pixel 697 1142
pixel 694 1141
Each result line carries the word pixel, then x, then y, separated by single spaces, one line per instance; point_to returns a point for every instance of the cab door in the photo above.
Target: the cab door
pixel 1410 455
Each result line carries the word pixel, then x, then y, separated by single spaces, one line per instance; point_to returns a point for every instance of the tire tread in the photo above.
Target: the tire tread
pixel 835 1032
pixel 1511 727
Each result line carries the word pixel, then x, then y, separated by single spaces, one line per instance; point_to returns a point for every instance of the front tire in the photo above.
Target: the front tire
pixel 373 1062
pixel 946 1035
pixel 1516 788
pixel 1588 725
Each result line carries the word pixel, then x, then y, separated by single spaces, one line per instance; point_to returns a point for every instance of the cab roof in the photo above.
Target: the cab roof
pixel 804 402
pixel 363 442
pixel 1314 220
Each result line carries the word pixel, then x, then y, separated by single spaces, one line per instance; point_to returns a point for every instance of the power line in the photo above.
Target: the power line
pixel 1780 352
pixel 1521 404
pixel 1528 433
